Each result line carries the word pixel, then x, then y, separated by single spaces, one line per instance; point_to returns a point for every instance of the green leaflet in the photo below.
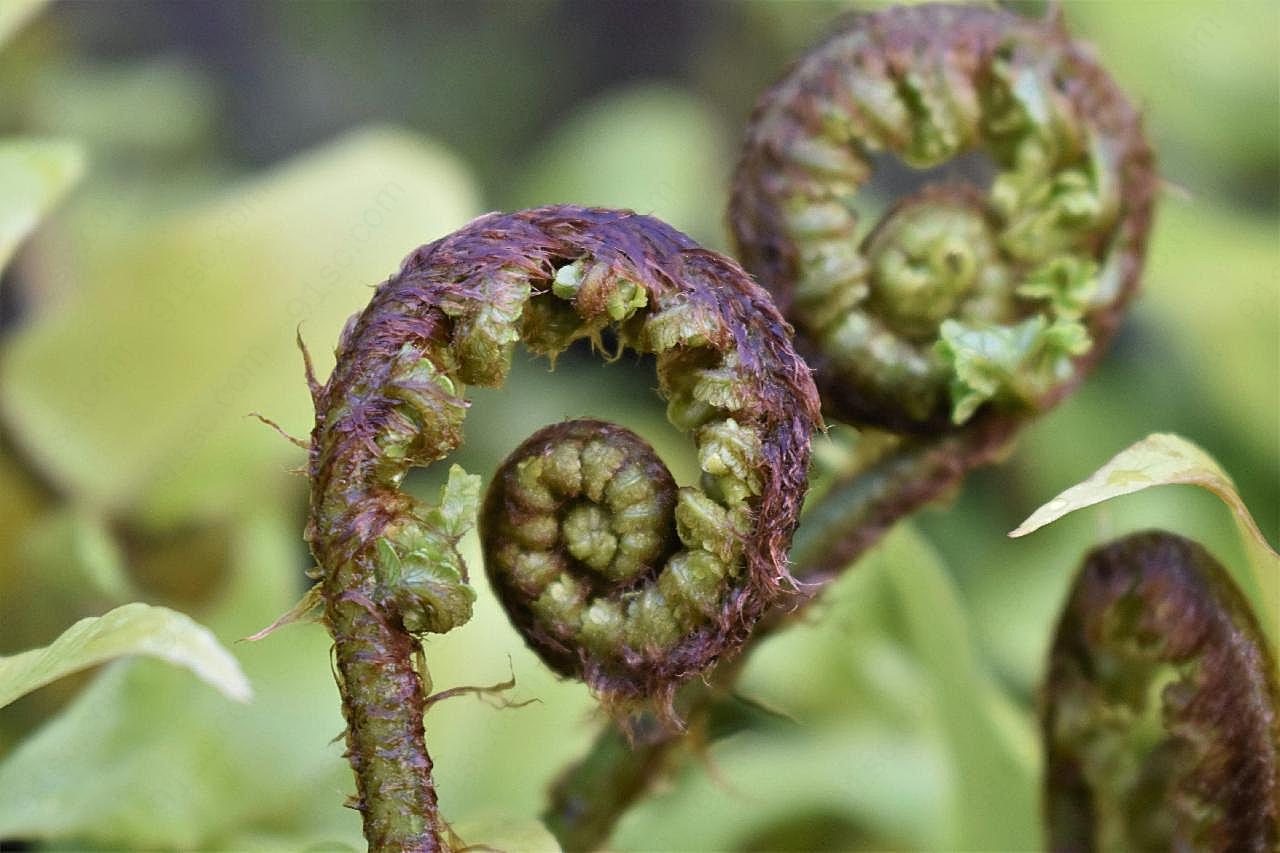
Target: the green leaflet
pixel 1015 363
pixel 1166 459
pixel 420 568
pixel 307 609
pixel 1067 282
pixel 459 503
pixel 132 629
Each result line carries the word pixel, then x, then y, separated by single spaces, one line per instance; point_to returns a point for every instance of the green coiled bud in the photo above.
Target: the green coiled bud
pixel 603 562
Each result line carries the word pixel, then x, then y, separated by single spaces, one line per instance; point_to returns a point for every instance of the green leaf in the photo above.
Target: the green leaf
pixel 1165 459
pixel 34 174
pixel 892 782
pixel 133 629
pixel 1226 333
pixel 13 15
pixel 992 746
pixel 179 332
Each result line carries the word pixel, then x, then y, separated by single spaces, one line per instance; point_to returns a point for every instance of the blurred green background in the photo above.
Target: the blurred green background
pixel 252 168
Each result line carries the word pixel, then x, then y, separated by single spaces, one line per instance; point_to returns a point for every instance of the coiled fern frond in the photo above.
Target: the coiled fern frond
pixel 1161 714
pixel 962 299
pixel 613 574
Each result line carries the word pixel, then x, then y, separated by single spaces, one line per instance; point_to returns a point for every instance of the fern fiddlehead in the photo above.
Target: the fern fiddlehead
pixel 1161 714
pixel 582 502
pixel 962 301
pixel 965 312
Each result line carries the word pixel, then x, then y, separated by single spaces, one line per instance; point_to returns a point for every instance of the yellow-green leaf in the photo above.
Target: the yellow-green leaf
pixel 1165 459
pixel 34 173
pixel 133 629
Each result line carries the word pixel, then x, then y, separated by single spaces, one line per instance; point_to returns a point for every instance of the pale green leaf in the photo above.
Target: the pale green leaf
pixel 133 629
pixel 141 760
pixel 1165 459
pixel 34 174
pixel 13 15
pixel 177 333
pixel 172 107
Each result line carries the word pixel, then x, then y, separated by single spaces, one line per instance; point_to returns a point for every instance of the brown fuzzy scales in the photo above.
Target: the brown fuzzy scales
pixel 960 43
pixel 1146 604
pixel 395 399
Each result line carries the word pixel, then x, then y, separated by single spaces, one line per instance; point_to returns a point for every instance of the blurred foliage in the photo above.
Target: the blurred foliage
pixel 887 715
pixel 618 152
pixel 214 286
pixel 254 167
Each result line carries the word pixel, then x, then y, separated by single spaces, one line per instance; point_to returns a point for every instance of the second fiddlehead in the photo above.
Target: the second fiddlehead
pixel 582 503
pixel 966 310
pixel 1161 715
pixel 962 299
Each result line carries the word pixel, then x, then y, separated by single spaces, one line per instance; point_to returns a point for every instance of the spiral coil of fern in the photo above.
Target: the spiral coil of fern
pixel 693 568
pixel 1161 713
pixel 961 302
pixel 961 315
